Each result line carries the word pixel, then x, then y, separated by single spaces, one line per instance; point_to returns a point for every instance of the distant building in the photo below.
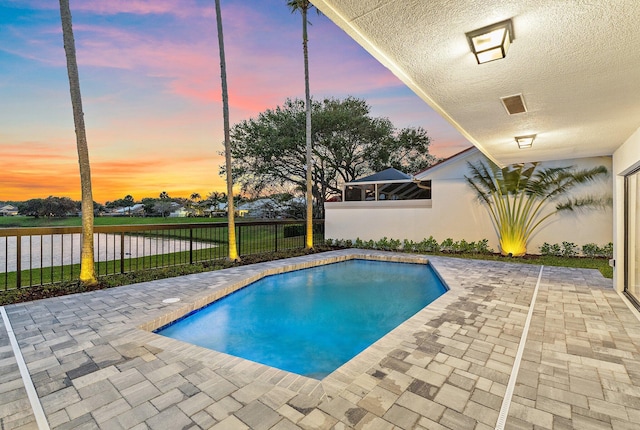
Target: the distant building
pixel 8 210
pixel 135 210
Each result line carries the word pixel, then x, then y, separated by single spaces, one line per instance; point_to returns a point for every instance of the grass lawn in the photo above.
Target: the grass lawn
pixel 27 221
pixel 601 264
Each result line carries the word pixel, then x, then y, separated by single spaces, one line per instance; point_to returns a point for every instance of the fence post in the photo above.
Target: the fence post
pixel 18 261
pixel 276 237
pixel 121 252
pixel 190 245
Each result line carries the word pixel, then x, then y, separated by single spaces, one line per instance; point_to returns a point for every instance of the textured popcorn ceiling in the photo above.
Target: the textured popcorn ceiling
pixel 576 63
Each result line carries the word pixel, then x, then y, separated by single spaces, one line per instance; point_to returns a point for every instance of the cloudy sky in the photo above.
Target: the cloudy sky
pixel 150 82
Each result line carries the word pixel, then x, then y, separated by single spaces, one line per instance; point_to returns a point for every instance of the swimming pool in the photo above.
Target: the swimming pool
pixel 312 321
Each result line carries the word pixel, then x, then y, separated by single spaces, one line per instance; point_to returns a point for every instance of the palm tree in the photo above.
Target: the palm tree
pixel 303 6
pixel 517 196
pixel 128 201
pixel 194 203
pixel 87 269
pixel 231 223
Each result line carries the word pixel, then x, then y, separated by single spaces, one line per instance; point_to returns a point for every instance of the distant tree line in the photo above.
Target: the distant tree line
pixel 53 207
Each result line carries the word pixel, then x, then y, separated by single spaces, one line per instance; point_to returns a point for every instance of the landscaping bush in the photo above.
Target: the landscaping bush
pixel 570 249
pixel 430 245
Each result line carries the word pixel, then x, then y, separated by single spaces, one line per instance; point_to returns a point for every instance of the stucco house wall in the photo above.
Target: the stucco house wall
pixel 626 159
pixel 455 212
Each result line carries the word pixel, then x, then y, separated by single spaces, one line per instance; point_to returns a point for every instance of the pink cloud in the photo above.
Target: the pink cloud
pixel 137 7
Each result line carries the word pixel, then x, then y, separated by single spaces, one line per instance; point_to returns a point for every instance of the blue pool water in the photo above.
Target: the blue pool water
pixel 312 321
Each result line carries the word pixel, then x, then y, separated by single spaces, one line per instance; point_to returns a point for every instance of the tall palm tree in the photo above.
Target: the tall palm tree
pixel 517 197
pixel 303 7
pixel 231 223
pixel 87 268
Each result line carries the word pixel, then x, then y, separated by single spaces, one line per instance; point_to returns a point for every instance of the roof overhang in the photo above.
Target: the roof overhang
pixel 577 65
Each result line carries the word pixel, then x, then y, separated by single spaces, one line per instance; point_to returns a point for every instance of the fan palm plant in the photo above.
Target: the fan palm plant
pixel 518 197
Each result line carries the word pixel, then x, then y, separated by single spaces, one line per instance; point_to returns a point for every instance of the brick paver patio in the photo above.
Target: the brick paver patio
pixel 95 364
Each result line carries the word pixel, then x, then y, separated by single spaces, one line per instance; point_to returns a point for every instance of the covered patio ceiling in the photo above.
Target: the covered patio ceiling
pixel 575 62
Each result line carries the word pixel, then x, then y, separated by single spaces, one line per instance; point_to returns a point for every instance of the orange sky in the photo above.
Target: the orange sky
pixel 149 75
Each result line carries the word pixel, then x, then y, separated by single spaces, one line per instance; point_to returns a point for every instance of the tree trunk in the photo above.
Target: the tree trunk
pixel 231 223
pixel 307 94
pixel 87 269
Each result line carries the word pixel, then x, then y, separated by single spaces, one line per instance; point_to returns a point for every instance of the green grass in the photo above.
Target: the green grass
pixel 601 264
pixel 255 241
pixel 27 221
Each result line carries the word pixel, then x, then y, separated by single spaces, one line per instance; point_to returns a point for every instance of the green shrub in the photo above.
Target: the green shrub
pixel 569 249
pixel 551 249
pixel 408 245
pixel 482 247
pixel 591 250
pixel 428 245
pixel 383 244
pixel 447 245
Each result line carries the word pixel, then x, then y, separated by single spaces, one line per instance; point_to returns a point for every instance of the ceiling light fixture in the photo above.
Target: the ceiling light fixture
pixel 525 141
pixel 491 42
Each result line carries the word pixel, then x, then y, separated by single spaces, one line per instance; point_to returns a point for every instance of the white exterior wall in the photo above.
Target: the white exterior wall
pixel 625 159
pixel 455 212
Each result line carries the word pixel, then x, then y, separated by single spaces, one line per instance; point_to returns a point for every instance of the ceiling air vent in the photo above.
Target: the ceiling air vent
pixel 514 104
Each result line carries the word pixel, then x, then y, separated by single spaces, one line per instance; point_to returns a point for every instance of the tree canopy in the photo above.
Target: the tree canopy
pixel 348 143
pixel 51 207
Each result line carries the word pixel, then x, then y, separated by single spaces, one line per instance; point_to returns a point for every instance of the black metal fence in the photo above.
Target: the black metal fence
pixel 44 255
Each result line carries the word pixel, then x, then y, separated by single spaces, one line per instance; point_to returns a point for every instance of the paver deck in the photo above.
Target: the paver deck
pixel 95 364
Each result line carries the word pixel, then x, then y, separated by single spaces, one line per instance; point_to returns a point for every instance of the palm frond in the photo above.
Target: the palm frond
pixel 517 194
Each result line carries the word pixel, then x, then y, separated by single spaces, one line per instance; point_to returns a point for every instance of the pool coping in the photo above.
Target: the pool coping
pixel 223 291
pixel 339 379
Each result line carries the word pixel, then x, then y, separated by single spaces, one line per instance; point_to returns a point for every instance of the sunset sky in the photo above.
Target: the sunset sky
pixel 150 82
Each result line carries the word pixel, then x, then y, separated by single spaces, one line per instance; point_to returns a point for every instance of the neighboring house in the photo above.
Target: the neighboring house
pixel 135 210
pixel 260 208
pixel 8 210
pixel 217 210
pixel 449 208
pixel 180 212
pixel 270 208
pixel 390 184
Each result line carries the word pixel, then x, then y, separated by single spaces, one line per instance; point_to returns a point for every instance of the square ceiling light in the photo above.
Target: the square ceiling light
pixel 491 42
pixel 525 141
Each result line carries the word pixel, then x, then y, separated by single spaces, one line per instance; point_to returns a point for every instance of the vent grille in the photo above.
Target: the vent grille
pixel 514 104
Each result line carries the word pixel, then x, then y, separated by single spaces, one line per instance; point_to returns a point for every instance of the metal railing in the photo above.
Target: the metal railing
pixel 45 255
